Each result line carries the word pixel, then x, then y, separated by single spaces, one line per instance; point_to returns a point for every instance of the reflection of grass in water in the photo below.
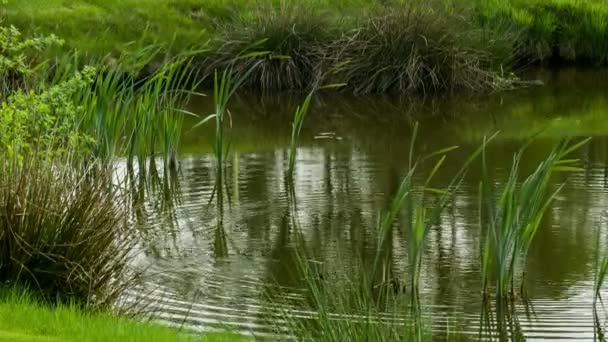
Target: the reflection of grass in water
pixel 354 308
pixel 557 117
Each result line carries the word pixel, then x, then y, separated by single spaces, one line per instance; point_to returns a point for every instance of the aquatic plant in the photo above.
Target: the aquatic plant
pixel 511 219
pixel 138 117
pixel 296 128
pixel 601 271
pixel 64 232
pixel 420 216
pixel 224 87
pixel 342 306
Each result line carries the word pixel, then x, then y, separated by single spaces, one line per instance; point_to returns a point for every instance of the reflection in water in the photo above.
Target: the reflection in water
pixel 219 265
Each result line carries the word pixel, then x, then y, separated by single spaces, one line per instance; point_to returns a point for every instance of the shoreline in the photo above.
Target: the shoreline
pixel 373 48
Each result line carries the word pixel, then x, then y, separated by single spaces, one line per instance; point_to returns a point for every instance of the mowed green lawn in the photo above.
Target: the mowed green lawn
pixel 24 320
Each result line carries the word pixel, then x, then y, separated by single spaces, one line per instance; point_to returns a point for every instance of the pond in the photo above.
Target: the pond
pixel 214 270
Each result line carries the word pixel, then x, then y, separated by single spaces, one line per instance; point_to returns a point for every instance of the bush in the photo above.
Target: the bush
pixel 63 233
pixel 44 123
pixel 20 58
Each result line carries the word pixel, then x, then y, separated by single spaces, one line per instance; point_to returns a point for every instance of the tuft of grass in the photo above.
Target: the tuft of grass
pixel 420 48
pixel 64 233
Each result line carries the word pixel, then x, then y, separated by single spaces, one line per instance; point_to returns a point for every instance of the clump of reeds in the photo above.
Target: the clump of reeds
pixel 342 306
pixel 293 35
pixel 420 216
pixel 63 232
pixel 136 117
pixel 511 218
pixel 421 49
pixel 411 47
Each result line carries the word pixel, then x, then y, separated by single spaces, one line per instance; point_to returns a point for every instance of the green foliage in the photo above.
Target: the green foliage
pixel 552 30
pixel 20 58
pixel 134 117
pixel 23 318
pixel 45 123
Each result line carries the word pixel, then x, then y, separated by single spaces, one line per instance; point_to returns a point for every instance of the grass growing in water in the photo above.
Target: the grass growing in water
pixel 296 128
pixel 511 219
pixel 138 118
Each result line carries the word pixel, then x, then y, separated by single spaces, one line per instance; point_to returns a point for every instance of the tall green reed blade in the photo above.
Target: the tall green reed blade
pixel 601 271
pixel 296 127
pixel 224 87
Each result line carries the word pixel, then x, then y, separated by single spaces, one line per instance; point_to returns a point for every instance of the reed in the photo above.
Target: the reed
pixel 511 219
pixel 420 216
pixel 134 117
pixel 296 128
pixel 224 87
pixel 342 306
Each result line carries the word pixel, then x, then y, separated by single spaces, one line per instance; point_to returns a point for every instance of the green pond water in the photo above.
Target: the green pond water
pixel 208 271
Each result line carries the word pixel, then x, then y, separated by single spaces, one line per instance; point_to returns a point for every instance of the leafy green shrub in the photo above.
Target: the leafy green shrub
pixel 45 123
pixel 20 58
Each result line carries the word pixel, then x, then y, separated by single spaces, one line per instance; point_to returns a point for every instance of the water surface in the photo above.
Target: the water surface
pixel 215 270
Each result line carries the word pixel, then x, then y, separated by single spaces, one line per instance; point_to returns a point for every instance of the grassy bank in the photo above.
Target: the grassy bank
pixel 22 319
pixel 372 46
pixel 322 35
pixel 552 31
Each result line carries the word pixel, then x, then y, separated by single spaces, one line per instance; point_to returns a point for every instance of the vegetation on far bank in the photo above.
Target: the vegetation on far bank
pixel 374 46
